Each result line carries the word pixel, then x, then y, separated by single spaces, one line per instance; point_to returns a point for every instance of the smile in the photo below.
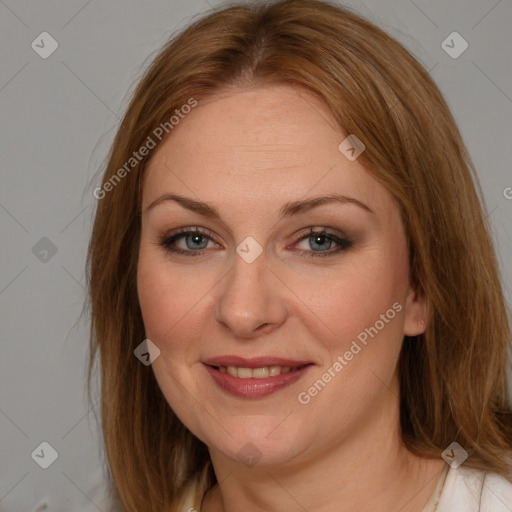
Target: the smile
pixel 256 373
pixel 253 380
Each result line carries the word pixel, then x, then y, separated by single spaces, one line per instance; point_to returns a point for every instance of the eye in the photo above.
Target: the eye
pixel 195 240
pixel 320 241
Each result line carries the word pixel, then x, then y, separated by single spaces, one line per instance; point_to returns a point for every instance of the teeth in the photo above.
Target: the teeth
pixel 244 373
pixel 259 373
pixel 274 370
pixel 256 373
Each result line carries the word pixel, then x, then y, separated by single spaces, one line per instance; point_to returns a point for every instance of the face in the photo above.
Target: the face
pixel 243 270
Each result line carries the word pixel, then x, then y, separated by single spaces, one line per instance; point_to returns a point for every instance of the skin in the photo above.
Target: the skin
pixel 247 152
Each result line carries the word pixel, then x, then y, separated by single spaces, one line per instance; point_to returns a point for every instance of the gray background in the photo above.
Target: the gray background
pixel 58 117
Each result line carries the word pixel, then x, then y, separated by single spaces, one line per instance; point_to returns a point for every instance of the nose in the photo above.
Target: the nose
pixel 251 299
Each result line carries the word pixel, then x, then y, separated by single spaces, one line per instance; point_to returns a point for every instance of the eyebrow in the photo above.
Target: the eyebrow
pixel 288 209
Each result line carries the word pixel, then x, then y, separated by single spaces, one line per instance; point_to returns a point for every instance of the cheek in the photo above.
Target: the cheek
pixel 165 296
pixel 174 302
pixel 154 292
pixel 171 306
pixel 360 326
pixel 352 298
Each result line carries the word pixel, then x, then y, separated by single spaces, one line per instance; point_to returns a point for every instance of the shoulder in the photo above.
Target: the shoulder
pixel 497 494
pixel 473 490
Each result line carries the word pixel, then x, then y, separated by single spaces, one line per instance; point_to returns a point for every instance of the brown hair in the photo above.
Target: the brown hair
pixel 453 378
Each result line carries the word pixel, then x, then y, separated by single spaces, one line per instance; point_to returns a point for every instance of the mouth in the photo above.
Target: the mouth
pixel 255 378
pixel 262 372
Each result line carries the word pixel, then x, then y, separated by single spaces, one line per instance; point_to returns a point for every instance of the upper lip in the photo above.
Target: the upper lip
pixel 254 362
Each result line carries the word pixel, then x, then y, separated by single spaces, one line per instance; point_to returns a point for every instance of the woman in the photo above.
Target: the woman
pixel 295 298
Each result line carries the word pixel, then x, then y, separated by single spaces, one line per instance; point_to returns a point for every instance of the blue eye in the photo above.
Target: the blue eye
pixel 321 240
pixel 197 239
pixel 194 239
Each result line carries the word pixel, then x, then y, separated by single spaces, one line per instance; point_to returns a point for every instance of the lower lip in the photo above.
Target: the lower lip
pixel 255 388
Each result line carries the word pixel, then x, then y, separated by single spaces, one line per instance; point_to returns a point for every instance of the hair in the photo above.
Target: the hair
pixel 453 378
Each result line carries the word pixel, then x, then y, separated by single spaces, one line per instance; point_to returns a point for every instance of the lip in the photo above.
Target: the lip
pixel 253 388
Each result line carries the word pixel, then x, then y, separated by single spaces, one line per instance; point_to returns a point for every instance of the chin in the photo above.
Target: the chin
pixel 258 448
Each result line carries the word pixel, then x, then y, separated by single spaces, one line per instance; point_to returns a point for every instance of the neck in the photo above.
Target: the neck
pixel 369 469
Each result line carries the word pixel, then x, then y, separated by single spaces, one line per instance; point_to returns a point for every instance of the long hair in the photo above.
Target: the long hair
pixel 452 377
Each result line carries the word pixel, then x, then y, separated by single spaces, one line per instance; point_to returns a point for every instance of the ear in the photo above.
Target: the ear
pixel 416 313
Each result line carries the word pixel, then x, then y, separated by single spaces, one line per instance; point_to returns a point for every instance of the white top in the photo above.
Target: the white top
pixel 471 490
pixel 458 490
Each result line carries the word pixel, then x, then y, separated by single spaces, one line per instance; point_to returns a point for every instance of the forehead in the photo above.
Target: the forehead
pixel 275 143
pixel 278 120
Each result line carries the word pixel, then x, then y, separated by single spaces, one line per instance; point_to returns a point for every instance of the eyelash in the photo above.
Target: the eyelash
pixel 167 240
